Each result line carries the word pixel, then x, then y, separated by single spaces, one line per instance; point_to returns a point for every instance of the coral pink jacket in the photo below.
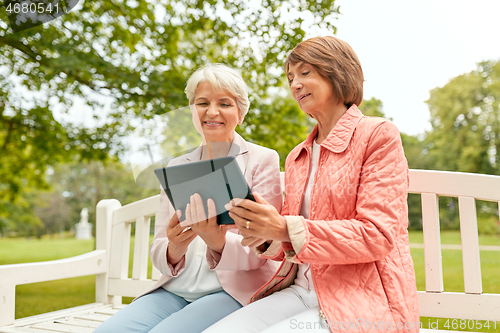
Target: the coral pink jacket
pixel 241 273
pixel 356 239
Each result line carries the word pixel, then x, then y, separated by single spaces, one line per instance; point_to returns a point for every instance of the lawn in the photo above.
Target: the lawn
pixel 43 297
pixel 50 296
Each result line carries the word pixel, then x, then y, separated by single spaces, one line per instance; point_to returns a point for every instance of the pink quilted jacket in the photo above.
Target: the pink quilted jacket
pixel 356 240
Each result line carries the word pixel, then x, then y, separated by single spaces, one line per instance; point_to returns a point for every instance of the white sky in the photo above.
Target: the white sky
pixel 407 48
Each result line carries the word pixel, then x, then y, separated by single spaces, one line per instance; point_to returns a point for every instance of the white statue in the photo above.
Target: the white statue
pixel 84 216
pixel 84 228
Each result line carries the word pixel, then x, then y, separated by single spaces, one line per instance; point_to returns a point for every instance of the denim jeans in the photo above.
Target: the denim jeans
pixel 162 311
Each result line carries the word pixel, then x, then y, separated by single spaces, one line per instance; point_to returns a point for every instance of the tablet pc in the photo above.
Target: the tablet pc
pixel 219 179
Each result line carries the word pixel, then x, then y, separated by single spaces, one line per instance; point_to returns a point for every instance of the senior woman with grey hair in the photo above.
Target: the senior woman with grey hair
pixel 206 272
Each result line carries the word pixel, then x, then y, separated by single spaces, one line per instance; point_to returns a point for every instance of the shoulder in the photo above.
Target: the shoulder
pixel 373 128
pixel 379 137
pixel 178 161
pixel 294 153
pixel 257 151
pixel 261 158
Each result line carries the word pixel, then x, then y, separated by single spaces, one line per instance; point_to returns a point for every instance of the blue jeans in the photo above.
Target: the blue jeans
pixel 162 311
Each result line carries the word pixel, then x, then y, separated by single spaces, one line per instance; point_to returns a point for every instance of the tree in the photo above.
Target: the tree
pixel 465 119
pixel 373 107
pixel 138 55
pixel 465 135
pixel 73 186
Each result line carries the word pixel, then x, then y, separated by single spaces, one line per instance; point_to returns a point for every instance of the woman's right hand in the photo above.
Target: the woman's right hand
pixel 179 239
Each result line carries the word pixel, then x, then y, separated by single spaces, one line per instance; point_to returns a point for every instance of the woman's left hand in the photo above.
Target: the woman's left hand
pixel 213 235
pixel 258 220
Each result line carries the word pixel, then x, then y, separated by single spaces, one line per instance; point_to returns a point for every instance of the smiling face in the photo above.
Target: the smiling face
pixel 217 111
pixel 313 92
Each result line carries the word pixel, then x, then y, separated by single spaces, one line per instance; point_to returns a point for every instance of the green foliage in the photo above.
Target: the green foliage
pixel 465 136
pixel 465 122
pixel 74 185
pixel 281 126
pixel 77 185
pixel 373 108
pixel 488 224
pixel 137 55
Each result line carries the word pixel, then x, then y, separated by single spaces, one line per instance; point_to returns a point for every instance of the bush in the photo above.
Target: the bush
pixel 488 225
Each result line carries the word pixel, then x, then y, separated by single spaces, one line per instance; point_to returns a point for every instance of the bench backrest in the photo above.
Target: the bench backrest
pixel 433 302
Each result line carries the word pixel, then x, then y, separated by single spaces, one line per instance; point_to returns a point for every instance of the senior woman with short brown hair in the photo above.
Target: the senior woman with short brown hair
pixel 342 233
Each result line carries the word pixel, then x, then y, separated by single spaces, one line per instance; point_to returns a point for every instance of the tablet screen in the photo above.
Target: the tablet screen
pixel 219 179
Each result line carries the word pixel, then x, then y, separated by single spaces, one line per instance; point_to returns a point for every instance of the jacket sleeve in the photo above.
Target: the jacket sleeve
pixel 380 209
pixel 265 182
pixel 158 249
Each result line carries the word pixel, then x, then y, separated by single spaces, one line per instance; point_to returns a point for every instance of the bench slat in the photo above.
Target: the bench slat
pixel 23 330
pixel 58 327
pixel 118 266
pixel 129 213
pixel 108 312
pixel 141 248
pixel 78 322
pixel 129 287
pixel 156 274
pixel 93 316
pixel 459 305
pixel 470 245
pixel 455 184
pixel 432 243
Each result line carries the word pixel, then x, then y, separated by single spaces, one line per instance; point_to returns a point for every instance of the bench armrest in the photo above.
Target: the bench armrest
pixel 91 263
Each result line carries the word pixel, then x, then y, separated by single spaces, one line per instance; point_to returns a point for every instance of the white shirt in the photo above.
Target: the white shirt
pixel 304 277
pixel 196 280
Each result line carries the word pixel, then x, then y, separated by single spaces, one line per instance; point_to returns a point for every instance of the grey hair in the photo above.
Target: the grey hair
pixel 220 77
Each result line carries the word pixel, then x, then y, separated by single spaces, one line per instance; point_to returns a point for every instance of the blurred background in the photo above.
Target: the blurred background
pixel 98 92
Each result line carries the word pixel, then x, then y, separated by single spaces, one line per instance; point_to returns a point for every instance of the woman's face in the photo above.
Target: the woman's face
pixel 313 92
pixel 217 111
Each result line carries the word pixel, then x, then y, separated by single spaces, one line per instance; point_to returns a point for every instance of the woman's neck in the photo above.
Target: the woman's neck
pixel 327 121
pixel 215 150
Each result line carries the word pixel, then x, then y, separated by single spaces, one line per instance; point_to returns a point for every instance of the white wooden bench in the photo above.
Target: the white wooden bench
pixel 110 261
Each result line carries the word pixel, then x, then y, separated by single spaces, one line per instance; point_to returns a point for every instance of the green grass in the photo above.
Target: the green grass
pixel 453 273
pixel 453 237
pixel 43 297
pixel 50 296
pixel 20 250
pixel 453 277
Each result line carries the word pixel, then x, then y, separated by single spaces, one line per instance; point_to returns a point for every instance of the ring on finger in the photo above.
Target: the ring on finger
pixel 248 225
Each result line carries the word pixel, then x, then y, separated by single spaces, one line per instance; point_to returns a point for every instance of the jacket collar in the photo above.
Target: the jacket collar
pixel 339 137
pixel 239 150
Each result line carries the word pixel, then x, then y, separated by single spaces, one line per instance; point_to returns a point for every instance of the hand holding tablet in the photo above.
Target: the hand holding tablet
pixel 218 179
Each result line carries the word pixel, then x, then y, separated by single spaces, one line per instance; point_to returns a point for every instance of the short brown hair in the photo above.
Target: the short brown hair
pixel 335 60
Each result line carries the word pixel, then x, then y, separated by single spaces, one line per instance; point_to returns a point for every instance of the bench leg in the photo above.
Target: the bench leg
pixel 7 305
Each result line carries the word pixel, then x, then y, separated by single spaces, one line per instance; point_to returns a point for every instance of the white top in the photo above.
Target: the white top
pixel 196 280
pixel 304 277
